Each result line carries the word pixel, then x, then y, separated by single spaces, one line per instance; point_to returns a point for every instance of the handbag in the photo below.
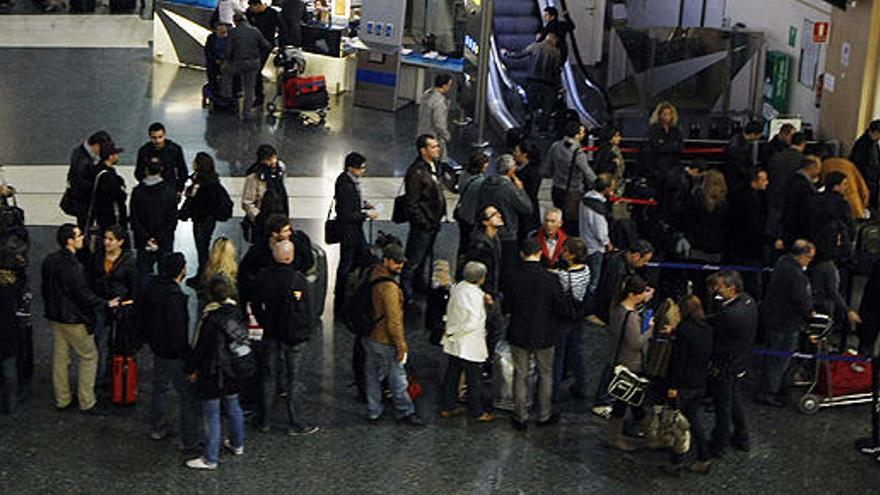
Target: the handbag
pixel 659 355
pixel 68 205
pixel 247 229
pixel 399 213
pixel 331 226
pixel 625 385
pixel 93 232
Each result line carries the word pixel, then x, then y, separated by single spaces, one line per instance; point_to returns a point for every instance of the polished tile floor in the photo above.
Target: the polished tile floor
pixel 51 99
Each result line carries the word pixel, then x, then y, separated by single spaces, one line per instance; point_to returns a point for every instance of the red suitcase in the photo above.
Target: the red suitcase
pixel 306 93
pixel 844 379
pixel 124 391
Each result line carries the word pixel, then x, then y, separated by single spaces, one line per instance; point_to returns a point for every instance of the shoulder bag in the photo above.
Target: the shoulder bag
pixel 331 230
pixel 398 212
pixel 625 385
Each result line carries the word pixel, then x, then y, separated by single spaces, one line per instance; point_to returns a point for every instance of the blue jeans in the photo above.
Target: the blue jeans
pixel 213 428
pixel 8 384
pixel 381 362
pixel 777 365
pixel 729 408
pixel 569 350
pixel 145 262
pixel 419 248
pixel 273 351
pixel 594 263
pixel 168 375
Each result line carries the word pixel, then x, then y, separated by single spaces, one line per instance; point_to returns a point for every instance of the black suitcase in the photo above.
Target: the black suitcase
pixel 82 6
pixel 317 279
pixel 25 359
pixel 122 6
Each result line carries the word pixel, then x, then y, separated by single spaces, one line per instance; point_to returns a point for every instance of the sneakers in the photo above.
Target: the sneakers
pixel 301 430
pixel 232 450
pixel 200 463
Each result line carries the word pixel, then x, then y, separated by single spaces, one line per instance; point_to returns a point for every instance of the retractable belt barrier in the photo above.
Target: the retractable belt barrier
pixel 686 151
pixel 817 357
pixel 707 267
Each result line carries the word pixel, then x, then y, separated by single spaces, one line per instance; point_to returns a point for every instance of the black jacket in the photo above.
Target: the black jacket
pixel 799 194
pixel 615 269
pixel 663 149
pixel 67 297
pixel 270 24
pixel 163 318
pixel 513 203
pixel 277 287
pixel 10 332
pixel 350 214
pixel 533 297
pixel 530 175
pixel 488 252
pixel 259 256
pixel 689 364
pixel 174 169
pixel 205 202
pixel 745 226
pixel 704 228
pixel 293 13
pixel 769 149
pixel 425 202
pixel 738 166
pixel 80 176
pixel 212 380
pixel 867 157
pixel 735 324
pixel 110 195
pixel 781 169
pixel 153 214
pixel 831 207
pixel 121 280
pixel 789 296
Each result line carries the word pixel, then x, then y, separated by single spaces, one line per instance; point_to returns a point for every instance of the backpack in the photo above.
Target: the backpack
pixel 14 237
pixel 224 208
pixel 235 356
pixel 358 312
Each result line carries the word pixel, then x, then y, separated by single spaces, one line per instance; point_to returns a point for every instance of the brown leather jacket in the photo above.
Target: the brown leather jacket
pixel 388 309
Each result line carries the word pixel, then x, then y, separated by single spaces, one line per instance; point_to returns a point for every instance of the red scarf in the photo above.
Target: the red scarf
pixel 551 258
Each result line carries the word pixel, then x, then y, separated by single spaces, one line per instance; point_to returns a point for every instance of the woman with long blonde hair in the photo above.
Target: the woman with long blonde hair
pixel 222 260
pixel 707 216
pixel 665 141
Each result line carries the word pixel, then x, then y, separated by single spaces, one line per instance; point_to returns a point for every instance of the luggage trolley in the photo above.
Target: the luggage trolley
pixel 820 389
pixel 297 94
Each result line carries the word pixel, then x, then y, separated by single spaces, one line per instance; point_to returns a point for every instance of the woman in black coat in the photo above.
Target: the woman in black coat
pixel 688 371
pixel 665 142
pixel 206 202
pixel 113 275
pixel 109 205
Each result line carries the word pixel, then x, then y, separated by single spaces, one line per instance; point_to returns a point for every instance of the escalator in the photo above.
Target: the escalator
pixel 515 23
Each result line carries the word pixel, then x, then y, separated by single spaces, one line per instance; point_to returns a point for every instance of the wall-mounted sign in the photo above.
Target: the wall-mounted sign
pixel 845 50
pixel 821 31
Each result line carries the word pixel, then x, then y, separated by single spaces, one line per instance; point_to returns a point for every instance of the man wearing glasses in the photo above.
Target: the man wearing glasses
pixel 70 304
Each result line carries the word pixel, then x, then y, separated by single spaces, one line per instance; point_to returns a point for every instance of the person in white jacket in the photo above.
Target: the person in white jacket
pixel 465 343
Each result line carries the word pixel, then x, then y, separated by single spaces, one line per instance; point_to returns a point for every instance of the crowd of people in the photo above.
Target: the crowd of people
pixel 528 280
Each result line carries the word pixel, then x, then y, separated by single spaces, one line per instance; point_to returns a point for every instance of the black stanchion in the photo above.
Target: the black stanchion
pixel 871 446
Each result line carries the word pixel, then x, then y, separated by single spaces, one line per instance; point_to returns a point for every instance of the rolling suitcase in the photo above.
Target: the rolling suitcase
pixel 124 387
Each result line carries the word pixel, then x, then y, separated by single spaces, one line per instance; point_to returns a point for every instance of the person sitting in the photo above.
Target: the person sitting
pixel 464 343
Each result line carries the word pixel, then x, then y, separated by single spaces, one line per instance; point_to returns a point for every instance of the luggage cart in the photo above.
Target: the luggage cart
pixel 298 95
pixel 817 331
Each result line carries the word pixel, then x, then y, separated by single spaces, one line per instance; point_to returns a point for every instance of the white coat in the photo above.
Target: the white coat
pixel 465 335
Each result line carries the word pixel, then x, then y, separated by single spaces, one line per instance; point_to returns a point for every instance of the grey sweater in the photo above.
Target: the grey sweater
pixel 560 159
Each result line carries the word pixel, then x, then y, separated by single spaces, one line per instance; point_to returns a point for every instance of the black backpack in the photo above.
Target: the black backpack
pixel 235 355
pixel 224 208
pixel 358 312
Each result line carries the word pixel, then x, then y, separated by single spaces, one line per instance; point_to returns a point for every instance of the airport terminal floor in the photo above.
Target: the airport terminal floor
pixel 53 98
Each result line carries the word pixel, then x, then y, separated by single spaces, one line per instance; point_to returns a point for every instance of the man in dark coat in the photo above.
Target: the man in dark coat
pixel 246 53
pixel 800 192
pixel 425 207
pixel 351 211
pixel 283 309
pixel 866 156
pixel 788 302
pixel 485 247
pixel 747 237
pixel 616 268
pixel 781 169
pixel 780 141
pixel 293 13
pixel 153 220
pixel 739 167
pixel 162 311
pixel 170 155
pixel 534 297
pixel 81 173
pixel 271 25
pixel 831 207
pixel 733 315
pixel 70 306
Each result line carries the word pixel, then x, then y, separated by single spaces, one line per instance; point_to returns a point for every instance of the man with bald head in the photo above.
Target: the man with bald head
pixel 282 308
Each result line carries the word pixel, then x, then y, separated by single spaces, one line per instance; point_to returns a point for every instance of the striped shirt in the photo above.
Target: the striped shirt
pixel 575 281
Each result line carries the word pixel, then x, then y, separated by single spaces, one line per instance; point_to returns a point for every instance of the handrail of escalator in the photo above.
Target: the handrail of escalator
pixel 580 61
pixel 494 94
